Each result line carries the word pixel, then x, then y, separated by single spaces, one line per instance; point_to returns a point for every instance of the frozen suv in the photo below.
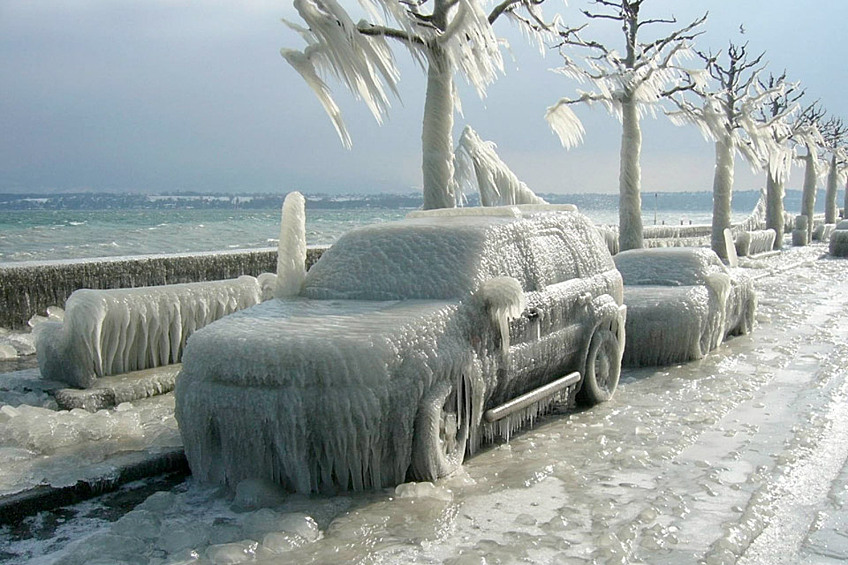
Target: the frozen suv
pixel 409 343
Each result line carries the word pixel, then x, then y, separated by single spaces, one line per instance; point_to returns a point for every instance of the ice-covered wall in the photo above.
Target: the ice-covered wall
pixel 108 332
pixel 681 231
pixel 29 288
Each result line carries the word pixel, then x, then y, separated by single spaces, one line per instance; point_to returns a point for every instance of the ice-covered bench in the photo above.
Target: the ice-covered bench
pixel 754 242
pixel 109 332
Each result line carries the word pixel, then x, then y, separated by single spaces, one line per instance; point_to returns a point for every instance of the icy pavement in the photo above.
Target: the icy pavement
pixel 41 445
pixel 740 457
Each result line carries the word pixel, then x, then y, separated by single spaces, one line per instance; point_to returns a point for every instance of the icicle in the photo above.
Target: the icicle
pixel 503 299
pixel 565 124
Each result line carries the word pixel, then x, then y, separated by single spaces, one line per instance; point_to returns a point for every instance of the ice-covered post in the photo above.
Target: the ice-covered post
pixel 454 36
pixel 845 202
pixel 626 85
pixel 291 250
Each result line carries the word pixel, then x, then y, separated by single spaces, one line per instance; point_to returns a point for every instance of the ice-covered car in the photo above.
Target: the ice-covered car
pixel 407 344
pixel 681 304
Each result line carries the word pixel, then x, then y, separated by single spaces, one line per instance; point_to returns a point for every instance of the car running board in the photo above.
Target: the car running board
pixel 532 397
pixel 506 418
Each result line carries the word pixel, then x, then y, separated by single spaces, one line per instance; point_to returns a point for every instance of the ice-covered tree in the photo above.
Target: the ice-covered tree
pixel 627 83
pixel 835 132
pixel 727 115
pixel 780 107
pixel 446 37
pixel 811 119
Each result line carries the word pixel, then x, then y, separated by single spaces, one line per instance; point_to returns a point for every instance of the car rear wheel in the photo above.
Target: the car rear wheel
pixel 603 368
pixel 441 433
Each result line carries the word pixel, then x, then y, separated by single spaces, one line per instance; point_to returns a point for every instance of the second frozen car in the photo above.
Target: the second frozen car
pixel 681 304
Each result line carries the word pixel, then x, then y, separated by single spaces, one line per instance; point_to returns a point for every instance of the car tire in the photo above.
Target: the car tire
pixel 442 430
pixel 603 369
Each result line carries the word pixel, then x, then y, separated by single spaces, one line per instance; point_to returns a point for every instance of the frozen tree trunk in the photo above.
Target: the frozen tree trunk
pixel 437 135
pixel 808 197
pixel 722 191
pixel 830 194
pixel 774 209
pixel 845 204
pixel 630 179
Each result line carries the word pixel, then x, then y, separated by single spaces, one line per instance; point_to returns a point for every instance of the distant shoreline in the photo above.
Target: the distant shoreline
pixel 743 201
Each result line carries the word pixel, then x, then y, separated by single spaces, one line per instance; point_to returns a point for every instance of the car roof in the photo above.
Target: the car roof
pixel 670 266
pixel 441 257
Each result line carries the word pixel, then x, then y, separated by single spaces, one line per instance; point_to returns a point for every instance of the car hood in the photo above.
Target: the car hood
pixel 303 342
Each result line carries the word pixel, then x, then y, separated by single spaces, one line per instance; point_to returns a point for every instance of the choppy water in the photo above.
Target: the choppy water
pixel 72 234
pixel 69 234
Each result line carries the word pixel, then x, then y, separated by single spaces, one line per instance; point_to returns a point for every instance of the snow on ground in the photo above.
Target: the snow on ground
pixel 739 457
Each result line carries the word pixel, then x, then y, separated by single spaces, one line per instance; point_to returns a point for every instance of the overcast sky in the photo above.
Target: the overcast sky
pixel 164 95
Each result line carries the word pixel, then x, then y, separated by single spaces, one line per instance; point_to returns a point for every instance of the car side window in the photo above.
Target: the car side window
pixel 553 259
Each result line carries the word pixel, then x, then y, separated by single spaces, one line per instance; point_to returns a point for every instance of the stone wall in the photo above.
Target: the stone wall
pixel 28 288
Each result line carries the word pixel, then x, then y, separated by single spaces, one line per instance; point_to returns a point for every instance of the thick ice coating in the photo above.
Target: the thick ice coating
pixel 681 304
pixel 108 332
pixel 384 364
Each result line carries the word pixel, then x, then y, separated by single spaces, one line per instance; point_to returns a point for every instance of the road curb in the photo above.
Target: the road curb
pixel 15 507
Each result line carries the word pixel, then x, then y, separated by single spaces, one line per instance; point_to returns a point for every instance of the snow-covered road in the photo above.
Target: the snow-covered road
pixel 740 457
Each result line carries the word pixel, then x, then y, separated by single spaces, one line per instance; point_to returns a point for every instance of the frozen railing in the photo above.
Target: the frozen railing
pixel 114 331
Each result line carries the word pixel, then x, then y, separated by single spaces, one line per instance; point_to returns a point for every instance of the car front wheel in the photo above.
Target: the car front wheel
pixel 603 368
pixel 441 433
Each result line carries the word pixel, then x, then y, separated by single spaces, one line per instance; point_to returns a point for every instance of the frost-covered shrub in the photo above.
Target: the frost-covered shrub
pixel 839 243
pixel 108 332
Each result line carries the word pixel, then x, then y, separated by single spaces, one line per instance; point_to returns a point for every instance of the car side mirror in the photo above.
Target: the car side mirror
pixel 503 299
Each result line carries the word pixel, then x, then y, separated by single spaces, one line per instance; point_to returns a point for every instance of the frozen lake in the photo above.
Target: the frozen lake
pixel 739 457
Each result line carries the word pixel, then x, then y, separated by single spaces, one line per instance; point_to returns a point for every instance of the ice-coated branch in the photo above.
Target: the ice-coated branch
pixel 366 28
pixel 497 11
pixel 683 34
pixel 335 46
pixel 565 123
pixel 478 168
